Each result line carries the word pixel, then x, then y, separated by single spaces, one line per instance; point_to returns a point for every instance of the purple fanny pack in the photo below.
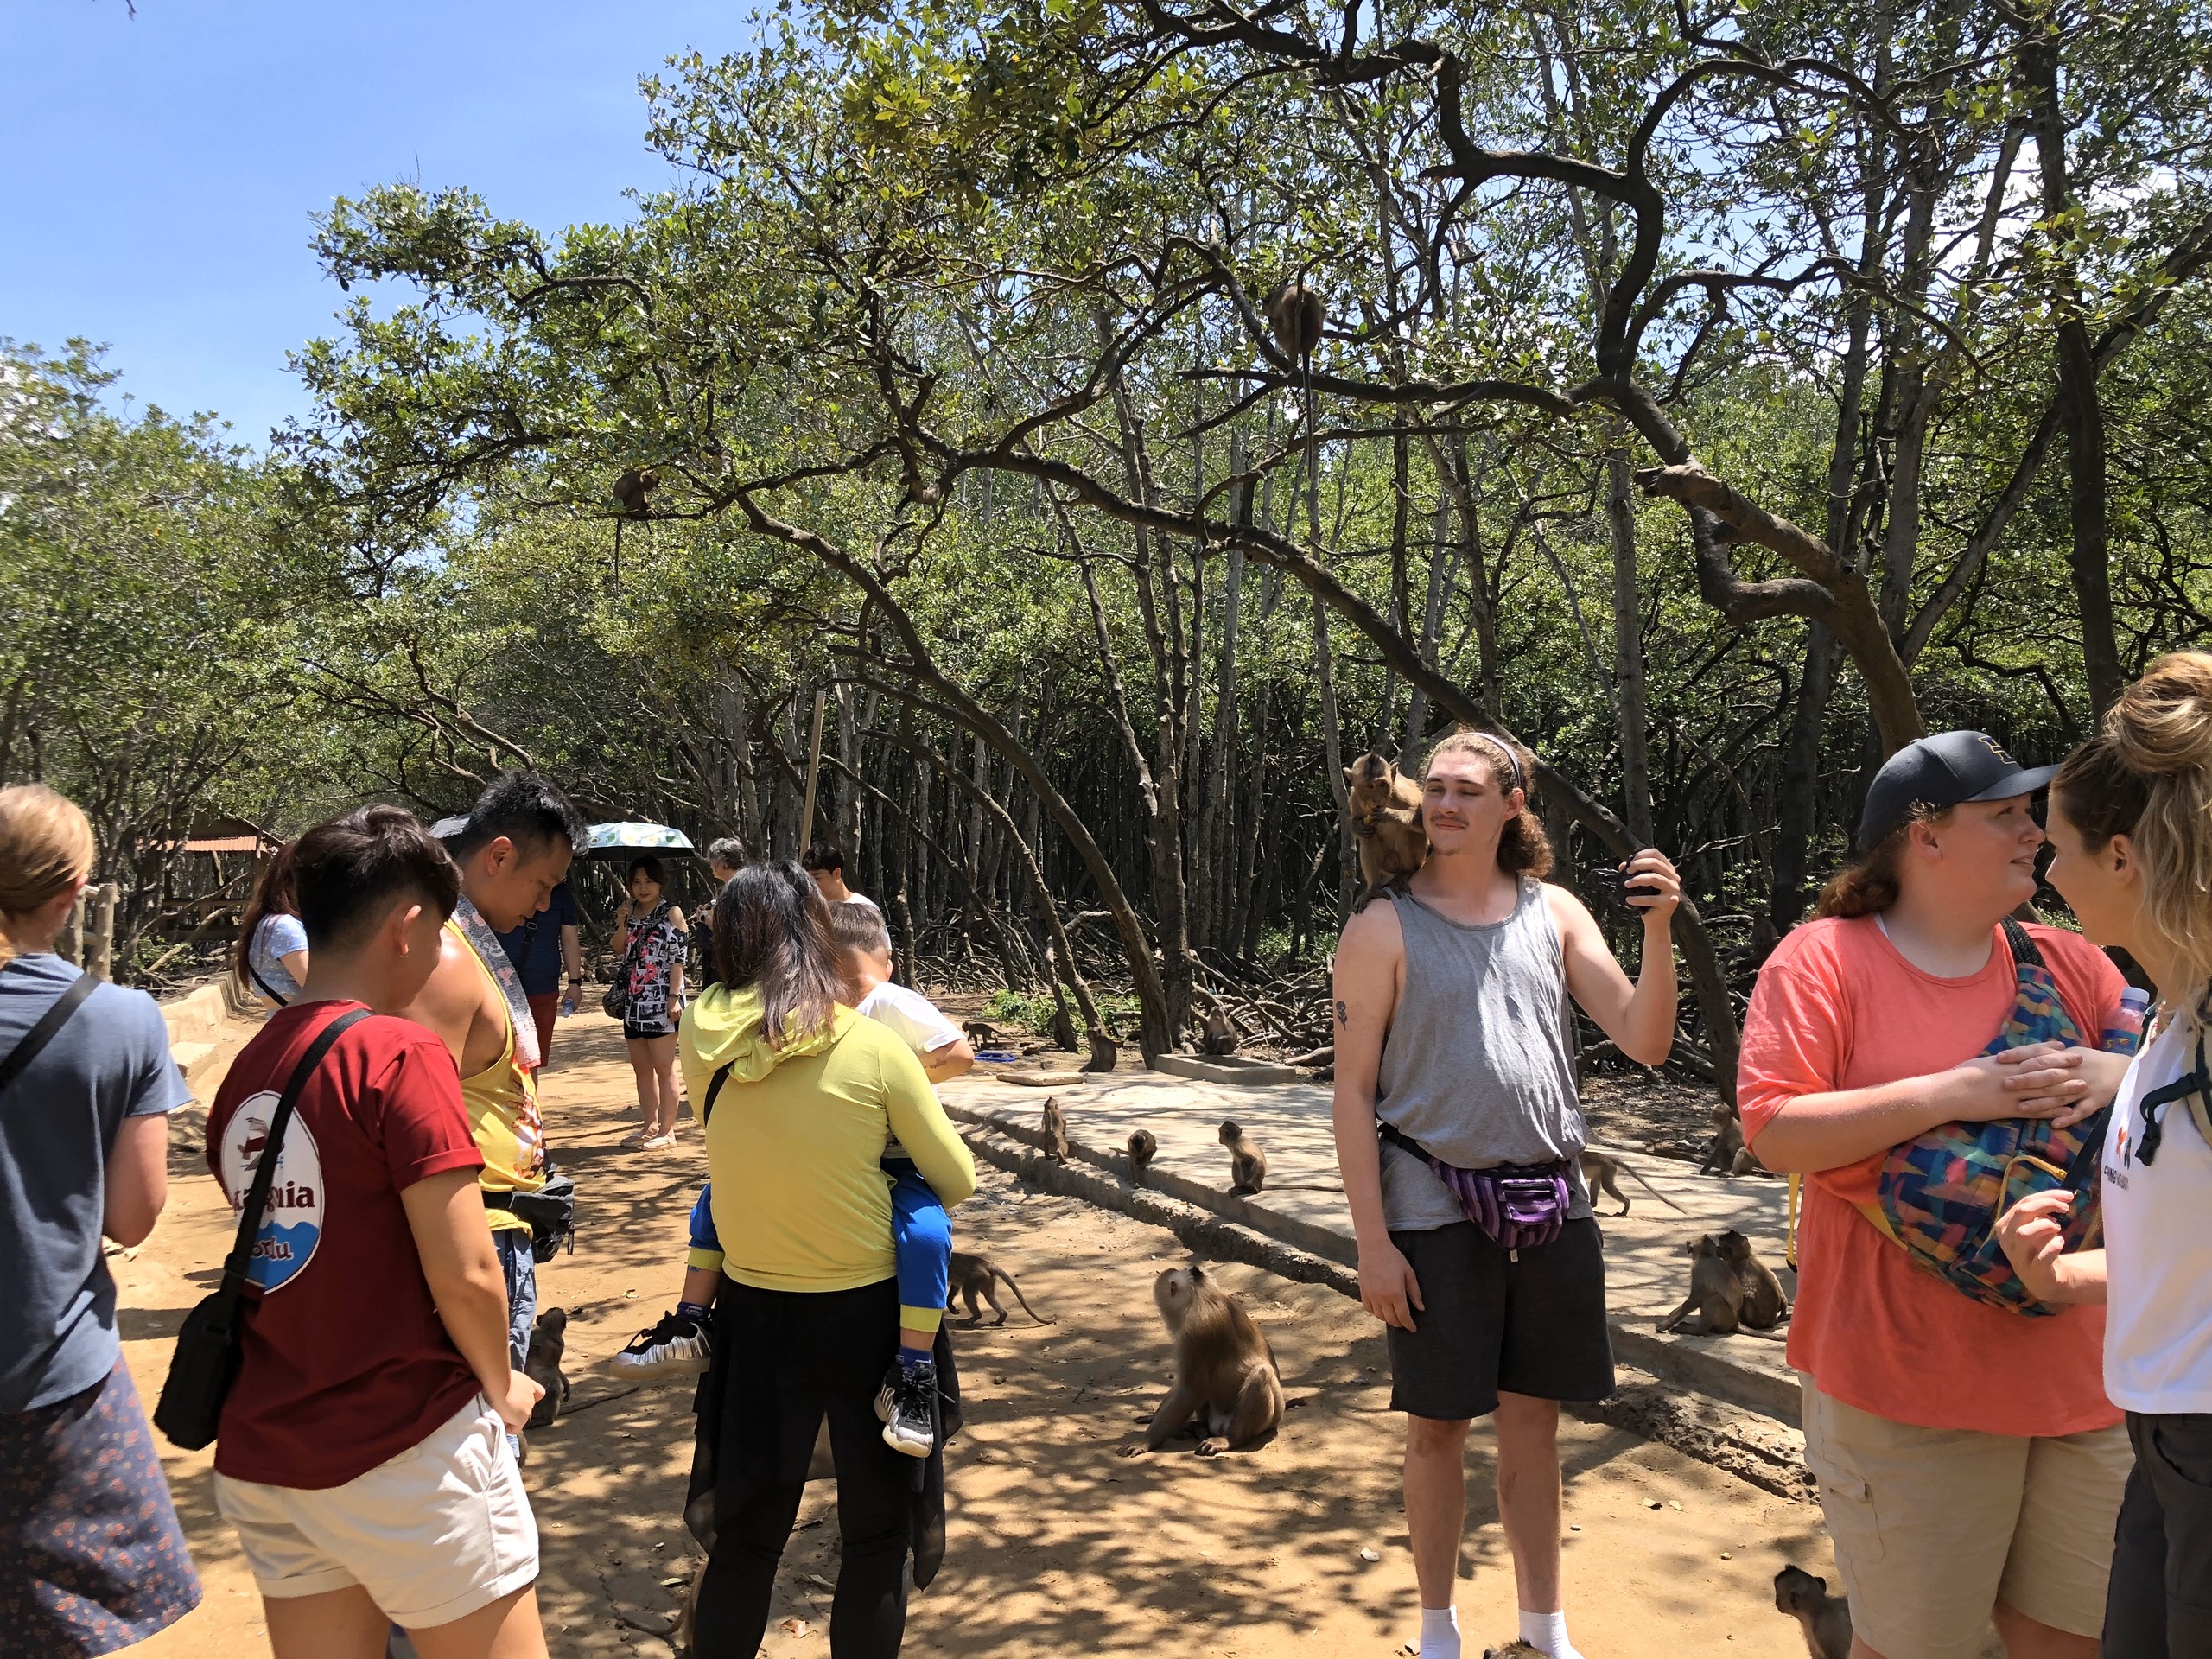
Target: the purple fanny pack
pixel 1517 1205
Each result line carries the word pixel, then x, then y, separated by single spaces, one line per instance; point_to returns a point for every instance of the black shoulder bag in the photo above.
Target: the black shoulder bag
pixel 206 1362
pixel 57 1016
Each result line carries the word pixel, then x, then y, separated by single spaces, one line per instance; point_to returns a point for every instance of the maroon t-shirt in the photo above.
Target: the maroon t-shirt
pixel 346 1363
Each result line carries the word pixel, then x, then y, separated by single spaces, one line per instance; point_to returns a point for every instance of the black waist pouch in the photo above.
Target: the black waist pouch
pixel 550 1213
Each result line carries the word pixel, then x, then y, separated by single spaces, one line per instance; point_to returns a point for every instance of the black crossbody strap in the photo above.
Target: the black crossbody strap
pixel 267 989
pixel 57 1016
pixel 264 1171
pixel 713 1088
pixel 2023 947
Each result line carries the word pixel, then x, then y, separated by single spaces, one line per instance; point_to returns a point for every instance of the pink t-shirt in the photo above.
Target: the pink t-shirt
pixel 1838 1007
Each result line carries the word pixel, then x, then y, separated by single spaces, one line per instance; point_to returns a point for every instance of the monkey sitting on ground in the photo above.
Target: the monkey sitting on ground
pixel 1056 1130
pixel 976 1275
pixel 1729 1154
pixel 1225 1372
pixel 1731 1291
pixel 1826 1619
pixel 1220 1036
pixel 1248 1165
pixel 1143 1148
pixel 981 1033
pixel 1385 806
pixel 1601 1173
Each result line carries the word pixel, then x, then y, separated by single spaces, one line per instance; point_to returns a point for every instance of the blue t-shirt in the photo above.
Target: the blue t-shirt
pixel 58 1121
pixel 278 936
pixel 535 947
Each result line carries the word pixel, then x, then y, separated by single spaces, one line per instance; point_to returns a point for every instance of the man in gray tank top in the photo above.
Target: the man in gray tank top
pixel 1453 1028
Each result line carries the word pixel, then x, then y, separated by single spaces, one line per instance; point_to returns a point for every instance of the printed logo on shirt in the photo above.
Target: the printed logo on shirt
pixel 2117 1174
pixel 293 1225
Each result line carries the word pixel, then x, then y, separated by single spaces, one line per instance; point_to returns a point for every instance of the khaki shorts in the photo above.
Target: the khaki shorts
pixel 1932 1526
pixel 432 1535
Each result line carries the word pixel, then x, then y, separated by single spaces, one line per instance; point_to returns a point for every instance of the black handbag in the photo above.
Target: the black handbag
pixel 206 1362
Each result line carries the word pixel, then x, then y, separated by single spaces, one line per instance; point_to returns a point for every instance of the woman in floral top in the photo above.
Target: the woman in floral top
pixel 654 943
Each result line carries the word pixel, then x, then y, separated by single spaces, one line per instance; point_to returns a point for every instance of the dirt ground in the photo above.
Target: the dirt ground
pixel 1059 1545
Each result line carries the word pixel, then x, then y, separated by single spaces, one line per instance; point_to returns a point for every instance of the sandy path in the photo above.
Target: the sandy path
pixel 1058 1546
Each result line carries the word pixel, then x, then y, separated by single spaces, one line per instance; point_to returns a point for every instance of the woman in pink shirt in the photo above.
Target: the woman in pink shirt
pixel 1970 1467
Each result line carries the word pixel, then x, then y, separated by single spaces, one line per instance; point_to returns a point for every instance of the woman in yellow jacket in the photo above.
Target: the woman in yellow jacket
pixel 799 1096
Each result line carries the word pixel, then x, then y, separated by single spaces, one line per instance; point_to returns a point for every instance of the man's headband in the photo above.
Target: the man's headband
pixel 1512 759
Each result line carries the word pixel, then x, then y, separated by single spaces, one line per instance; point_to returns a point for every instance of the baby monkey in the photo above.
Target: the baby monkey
pixel 1825 1618
pixel 1385 806
pixel 1248 1165
pixel 974 1276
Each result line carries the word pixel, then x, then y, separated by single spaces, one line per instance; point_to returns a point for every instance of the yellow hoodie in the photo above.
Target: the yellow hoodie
pixel 795 1139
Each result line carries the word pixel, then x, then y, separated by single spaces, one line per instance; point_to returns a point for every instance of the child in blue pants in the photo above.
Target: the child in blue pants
pixel 921 1232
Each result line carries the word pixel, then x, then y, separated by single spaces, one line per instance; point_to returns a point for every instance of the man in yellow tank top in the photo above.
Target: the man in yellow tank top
pixel 513 848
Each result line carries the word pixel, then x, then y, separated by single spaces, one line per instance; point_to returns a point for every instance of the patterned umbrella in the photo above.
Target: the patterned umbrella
pixel 614 840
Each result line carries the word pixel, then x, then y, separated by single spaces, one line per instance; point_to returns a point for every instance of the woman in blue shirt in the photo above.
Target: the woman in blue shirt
pixel 271 960
pixel 92 1557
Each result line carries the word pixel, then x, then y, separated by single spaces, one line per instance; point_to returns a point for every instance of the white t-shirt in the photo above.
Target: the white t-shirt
pixel 2157 1221
pixel 911 1014
pixel 862 899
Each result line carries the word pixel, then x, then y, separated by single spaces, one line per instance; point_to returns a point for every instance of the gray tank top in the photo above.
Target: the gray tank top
pixel 1478 1066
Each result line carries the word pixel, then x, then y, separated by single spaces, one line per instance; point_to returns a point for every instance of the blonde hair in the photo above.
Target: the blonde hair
pixel 1523 849
pixel 46 847
pixel 1871 881
pixel 2147 775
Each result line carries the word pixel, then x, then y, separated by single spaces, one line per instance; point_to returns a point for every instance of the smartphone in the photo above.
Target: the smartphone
pixel 1618 886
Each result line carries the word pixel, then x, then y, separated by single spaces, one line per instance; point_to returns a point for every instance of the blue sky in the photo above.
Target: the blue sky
pixel 160 170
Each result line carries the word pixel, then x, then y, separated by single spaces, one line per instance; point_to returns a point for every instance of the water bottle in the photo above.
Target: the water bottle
pixel 2125 1034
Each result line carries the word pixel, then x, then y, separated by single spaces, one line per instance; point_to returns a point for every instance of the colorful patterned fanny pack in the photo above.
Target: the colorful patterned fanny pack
pixel 1941 1193
pixel 1518 1205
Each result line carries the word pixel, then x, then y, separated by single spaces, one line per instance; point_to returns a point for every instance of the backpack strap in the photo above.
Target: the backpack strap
pixel 707 1109
pixel 57 1016
pixel 2195 1086
pixel 2023 947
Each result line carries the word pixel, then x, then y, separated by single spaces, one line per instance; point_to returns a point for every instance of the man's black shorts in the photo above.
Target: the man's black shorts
pixel 1534 1326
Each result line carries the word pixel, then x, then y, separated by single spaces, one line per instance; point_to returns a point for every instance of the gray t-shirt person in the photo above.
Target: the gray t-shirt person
pixel 58 1121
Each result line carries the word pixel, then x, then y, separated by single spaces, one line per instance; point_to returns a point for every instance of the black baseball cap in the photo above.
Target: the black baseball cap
pixel 1946 770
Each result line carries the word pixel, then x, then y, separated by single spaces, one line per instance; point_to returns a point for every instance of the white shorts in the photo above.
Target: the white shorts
pixel 433 1535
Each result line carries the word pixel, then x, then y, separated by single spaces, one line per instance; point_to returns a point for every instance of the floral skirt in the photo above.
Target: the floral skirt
pixel 92 1557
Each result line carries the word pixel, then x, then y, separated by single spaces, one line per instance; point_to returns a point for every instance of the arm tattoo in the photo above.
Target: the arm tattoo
pixel 1344 1014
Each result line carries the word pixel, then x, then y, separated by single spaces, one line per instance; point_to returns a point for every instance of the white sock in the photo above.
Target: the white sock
pixel 1548 1632
pixel 1440 1633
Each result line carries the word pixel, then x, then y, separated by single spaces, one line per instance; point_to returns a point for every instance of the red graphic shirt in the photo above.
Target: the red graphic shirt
pixel 346 1363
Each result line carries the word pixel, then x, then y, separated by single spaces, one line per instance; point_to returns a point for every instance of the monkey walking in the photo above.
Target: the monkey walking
pixel 1225 1372
pixel 1385 806
pixel 1826 1619
pixel 974 1276
pixel 1143 1148
pixel 980 1032
pixel 1731 1291
pixel 1248 1165
pixel 1728 1154
pixel 1056 1130
pixel 1601 1171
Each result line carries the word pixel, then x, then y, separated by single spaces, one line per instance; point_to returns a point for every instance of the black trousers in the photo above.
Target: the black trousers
pixel 787 1360
pixel 2160 1604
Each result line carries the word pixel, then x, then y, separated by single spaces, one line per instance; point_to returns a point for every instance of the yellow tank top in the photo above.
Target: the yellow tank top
pixel 502 1101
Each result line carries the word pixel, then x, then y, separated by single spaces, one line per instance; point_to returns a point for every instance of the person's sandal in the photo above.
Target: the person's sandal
pixel 636 1141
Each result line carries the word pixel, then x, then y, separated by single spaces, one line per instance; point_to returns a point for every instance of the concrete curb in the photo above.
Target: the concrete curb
pixel 1006 1148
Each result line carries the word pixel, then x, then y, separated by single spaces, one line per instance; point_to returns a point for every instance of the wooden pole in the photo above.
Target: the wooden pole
pixel 70 947
pixel 813 772
pixel 99 937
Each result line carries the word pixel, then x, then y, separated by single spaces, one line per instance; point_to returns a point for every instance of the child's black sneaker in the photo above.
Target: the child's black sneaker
pixel 910 1413
pixel 677 1346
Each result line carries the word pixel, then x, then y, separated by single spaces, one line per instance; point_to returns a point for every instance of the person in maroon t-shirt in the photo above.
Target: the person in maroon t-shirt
pixel 363 1455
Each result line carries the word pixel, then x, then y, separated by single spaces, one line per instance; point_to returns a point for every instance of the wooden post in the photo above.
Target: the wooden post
pixel 813 772
pixel 99 937
pixel 70 947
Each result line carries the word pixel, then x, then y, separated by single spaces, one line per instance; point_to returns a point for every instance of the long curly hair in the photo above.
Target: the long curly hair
pixel 1523 849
